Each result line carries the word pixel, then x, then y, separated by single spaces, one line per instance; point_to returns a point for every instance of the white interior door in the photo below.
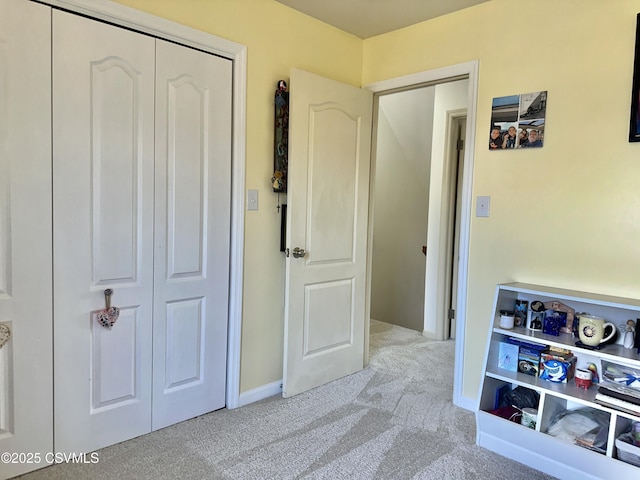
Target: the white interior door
pixel 103 121
pixel 192 233
pixel 460 126
pixel 26 391
pixel 330 144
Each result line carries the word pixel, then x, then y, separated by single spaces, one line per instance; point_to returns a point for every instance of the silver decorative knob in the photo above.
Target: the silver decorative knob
pixel 299 252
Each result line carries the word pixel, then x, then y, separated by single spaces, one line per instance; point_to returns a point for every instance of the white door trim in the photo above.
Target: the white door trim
pixel 158 27
pixel 470 69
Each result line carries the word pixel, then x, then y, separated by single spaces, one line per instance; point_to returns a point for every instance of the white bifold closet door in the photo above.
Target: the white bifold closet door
pixel 141 198
pixel 26 391
pixel 192 233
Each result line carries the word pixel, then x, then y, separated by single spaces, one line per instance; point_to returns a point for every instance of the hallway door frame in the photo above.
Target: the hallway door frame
pixel 443 74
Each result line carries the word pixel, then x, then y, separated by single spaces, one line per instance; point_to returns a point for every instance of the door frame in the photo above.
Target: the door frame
pixel 142 22
pixel 455 118
pixel 469 69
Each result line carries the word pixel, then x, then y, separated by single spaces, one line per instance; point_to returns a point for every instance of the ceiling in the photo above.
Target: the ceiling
pixel 367 18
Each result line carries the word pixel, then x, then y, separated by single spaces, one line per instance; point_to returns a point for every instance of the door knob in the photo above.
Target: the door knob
pixel 299 252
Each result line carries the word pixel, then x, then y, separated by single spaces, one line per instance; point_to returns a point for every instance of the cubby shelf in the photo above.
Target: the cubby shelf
pixel 532 446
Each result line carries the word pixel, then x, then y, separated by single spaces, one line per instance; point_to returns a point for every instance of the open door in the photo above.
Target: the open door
pixel 458 129
pixel 328 196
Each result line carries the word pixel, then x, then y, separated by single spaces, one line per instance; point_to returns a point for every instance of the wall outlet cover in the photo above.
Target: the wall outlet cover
pixel 482 206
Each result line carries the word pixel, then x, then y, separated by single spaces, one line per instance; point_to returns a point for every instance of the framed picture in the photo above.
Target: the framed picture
pixel 634 124
pixel 518 121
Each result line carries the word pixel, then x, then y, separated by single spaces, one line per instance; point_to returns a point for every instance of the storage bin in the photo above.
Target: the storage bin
pixel 627 451
pixel 621 375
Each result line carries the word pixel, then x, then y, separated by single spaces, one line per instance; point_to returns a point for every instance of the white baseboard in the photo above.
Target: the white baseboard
pixel 467 403
pixel 430 335
pixel 260 393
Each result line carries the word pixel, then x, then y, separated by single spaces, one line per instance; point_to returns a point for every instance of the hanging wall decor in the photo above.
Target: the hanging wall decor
pixel 634 124
pixel 5 334
pixel 517 121
pixel 281 139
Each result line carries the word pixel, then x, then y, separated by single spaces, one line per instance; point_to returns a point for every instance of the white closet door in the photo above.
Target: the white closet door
pixel 26 392
pixel 103 116
pixel 193 181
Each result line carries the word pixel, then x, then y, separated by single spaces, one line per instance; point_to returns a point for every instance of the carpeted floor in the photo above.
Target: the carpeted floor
pixel 392 420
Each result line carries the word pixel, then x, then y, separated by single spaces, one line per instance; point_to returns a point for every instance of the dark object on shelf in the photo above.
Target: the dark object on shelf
pixel 500 393
pixel 554 322
pixel 590 347
pixel 510 413
pixel 521 397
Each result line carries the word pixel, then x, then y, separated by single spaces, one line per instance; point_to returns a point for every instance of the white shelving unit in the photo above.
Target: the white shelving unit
pixel 534 447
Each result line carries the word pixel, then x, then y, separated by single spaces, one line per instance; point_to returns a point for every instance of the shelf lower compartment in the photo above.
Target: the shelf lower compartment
pixel 546 453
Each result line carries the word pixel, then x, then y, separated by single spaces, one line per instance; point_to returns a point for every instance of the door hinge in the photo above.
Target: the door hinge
pixel 460 144
pixel 452 314
pixel 286 252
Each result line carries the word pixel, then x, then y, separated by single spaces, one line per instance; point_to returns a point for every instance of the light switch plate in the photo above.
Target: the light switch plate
pixel 482 206
pixel 252 200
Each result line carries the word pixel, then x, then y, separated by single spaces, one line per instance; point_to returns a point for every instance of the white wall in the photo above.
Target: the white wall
pixel 449 97
pixel 403 155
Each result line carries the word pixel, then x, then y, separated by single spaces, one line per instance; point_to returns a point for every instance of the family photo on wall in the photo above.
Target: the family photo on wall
pixel 517 121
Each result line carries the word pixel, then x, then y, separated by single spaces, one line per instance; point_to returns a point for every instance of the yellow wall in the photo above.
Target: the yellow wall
pixel 567 214
pixel 277 39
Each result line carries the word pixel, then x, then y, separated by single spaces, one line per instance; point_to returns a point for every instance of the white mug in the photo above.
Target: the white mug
pixel 591 330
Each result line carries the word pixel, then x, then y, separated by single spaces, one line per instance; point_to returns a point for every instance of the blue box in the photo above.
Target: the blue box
pixel 529 361
pixel 557 367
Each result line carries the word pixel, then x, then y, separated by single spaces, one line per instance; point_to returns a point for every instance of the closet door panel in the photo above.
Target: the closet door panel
pixel 193 179
pixel 115 180
pixel 26 390
pixel 103 108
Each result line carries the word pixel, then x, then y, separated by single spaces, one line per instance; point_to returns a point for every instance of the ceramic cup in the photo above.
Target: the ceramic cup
pixel 591 330
pixel 507 318
pixel 534 320
pixel 583 378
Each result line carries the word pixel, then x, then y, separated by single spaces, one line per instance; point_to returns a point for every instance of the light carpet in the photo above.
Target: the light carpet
pixel 393 420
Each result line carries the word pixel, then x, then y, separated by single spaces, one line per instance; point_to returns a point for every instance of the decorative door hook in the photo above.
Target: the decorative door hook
pixel 109 315
pixel 5 334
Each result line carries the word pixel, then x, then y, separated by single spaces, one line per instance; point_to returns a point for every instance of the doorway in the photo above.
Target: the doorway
pixel 437 76
pixel 417 165
pixel 456 132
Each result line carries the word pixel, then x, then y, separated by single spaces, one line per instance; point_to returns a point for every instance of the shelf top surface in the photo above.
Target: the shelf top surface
pixel 562 293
